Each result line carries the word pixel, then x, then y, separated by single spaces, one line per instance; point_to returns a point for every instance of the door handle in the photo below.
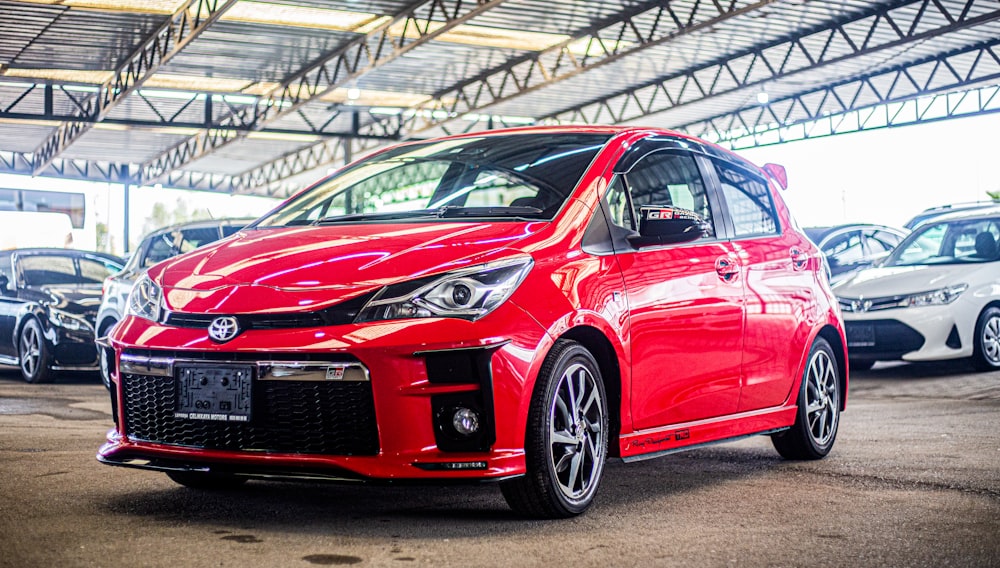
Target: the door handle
pixel 799 258
pixel 727 268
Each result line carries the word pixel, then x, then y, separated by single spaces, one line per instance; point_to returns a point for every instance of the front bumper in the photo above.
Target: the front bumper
pixel 390 423
pixel 928 333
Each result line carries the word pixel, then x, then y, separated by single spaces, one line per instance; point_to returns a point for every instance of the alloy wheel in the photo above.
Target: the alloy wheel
pixel 576 433
pixel 31 350
pixel 822 401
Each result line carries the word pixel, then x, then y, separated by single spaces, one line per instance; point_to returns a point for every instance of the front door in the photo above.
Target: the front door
pixel 685 300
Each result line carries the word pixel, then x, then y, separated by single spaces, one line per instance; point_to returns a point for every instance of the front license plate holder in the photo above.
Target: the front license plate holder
pixel 222 393
pixel 861 335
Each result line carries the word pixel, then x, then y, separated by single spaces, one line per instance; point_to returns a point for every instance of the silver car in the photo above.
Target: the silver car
pixel 155 247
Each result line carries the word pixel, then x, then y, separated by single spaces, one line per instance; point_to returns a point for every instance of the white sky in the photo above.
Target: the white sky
pixel 879 176
pixel 888 175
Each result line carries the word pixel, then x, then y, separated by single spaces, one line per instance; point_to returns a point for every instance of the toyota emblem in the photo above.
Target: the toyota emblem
pixel 223 329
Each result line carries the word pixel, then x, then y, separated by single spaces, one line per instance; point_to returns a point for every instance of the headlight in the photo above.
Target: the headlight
pixel 936 297
pixel 68 321
pixel 145 300
pixel 470 293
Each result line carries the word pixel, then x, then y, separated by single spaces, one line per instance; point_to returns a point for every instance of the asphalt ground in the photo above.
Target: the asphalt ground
pixel 914 480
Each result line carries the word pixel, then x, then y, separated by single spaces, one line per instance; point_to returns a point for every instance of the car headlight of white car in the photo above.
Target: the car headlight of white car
pixel 936 297
pixel 145 300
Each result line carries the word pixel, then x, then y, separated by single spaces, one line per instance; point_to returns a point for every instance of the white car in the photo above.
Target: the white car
pixel 936 297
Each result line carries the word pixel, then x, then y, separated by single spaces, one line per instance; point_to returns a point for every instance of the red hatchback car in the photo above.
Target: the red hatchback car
pixel 514 306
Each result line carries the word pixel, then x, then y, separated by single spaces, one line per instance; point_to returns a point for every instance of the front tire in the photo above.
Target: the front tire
pixel 818 415
pixel 33 353
pixel 566 443
pixel 986 348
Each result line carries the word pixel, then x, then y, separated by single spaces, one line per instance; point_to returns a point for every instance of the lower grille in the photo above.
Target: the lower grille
pixel 299 417
pixel 881 339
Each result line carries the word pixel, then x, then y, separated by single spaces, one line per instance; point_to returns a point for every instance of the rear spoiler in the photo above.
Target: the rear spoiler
pixel 778 174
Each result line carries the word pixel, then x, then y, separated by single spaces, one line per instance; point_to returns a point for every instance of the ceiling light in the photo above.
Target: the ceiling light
pixel 763 98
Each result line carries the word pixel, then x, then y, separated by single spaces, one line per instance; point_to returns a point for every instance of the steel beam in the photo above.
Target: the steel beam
pixel 899 23
pixel 421 24
pixel 187 23
pixel 926 90
pixel 627 34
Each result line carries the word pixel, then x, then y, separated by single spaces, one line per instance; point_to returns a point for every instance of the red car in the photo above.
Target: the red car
pixel 514 306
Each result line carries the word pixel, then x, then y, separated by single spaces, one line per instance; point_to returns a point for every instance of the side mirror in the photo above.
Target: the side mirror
pixel 4 282
pixel 777 173
pixel 665 225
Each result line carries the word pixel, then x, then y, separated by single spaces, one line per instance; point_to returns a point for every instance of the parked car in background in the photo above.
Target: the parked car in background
pixel 852 247
pixel 933 212
pixel 158 245
pixel 513 305
pixel 48 306
pixel 936 297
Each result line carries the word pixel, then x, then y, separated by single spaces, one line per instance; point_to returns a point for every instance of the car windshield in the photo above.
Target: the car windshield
pixel 512 177
pixel 959 241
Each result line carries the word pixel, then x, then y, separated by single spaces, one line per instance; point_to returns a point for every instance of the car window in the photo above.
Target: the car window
pixel 844 249
pixel 191 239
pixel 514 177
pixel 160 248
pixel 950 242
pixel 5 270
pixel 94 272
pixel 881 242
pixel 41 270
pixel 661 178
pixel 229 230
pixel 748 199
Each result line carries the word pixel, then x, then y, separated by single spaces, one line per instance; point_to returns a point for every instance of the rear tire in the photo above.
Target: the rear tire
pixel 33 353
pixel 818 415
pixel 566 442
pixel 986 347
pixel 206 480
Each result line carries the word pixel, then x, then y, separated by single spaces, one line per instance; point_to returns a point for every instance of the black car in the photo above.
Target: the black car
pixel 48 306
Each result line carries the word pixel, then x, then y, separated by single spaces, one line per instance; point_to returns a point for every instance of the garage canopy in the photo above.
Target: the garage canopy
pixel 260 97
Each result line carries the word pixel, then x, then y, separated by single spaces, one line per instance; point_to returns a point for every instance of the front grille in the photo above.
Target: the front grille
pixel 340 314
pixel 882 339
pixel 299 417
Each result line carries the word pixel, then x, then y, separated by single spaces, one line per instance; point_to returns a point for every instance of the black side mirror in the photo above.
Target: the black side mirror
pixel 4 282
pixel 666 225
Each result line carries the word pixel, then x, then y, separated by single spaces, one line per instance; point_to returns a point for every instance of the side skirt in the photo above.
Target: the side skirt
pixel 698 434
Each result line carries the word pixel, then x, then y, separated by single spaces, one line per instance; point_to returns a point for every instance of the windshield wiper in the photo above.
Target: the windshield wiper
pixel 384 216
pixel 518 212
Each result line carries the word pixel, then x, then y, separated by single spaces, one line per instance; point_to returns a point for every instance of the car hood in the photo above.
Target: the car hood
pixel 308 268
pixel 901 280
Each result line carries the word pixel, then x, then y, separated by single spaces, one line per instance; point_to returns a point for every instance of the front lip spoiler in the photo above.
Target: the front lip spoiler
pixel 280 474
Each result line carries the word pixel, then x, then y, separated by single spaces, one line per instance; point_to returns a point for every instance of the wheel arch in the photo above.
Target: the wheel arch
pixel 603 351
pixel 830 334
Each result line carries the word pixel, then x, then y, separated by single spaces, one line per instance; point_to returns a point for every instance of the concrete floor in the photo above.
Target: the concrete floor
pixel 914 480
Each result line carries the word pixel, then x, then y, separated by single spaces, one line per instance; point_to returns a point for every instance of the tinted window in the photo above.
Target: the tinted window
pixel 47 270
pixel 516 176
pixel 844 249
pixel 94 271
pixel 881 242
pixel 954 242
pixel 748 200
pixel 661 178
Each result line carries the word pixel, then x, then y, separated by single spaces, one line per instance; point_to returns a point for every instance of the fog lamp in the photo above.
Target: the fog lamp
pixel 465 421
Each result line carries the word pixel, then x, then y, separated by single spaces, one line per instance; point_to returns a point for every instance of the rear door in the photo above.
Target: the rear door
pixel 779 284
pixel 685 300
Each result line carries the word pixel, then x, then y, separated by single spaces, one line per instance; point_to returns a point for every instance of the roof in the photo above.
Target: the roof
pixel 253 96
